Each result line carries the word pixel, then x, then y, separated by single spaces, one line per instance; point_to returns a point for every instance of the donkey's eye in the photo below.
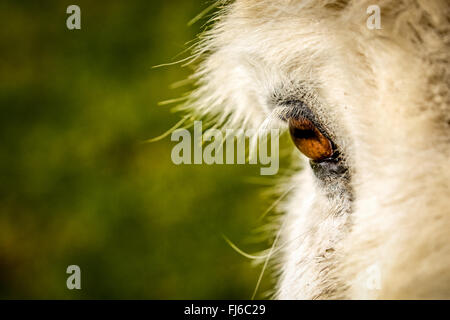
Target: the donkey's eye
pixel 309 140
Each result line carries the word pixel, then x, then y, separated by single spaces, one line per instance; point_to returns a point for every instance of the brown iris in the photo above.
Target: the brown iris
pixel 309 140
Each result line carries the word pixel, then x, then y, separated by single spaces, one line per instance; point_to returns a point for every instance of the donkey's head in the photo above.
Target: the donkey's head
pixel 367 103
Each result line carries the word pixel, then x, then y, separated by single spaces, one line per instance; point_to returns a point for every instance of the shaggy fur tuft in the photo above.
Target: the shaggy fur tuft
pixel 383 95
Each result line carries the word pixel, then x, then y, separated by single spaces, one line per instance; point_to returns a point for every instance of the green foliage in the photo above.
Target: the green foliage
pixel 79 187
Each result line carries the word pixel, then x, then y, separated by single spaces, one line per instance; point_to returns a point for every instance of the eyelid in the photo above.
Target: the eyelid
pixel 310 140
pixel 297 110
pixel 294 109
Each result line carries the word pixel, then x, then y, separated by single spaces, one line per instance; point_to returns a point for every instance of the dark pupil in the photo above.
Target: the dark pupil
pixel 309 140
pixel 303 133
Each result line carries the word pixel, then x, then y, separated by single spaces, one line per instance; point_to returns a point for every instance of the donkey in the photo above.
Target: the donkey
pixel 367 215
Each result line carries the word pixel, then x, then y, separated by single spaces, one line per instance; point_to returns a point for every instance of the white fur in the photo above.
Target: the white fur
pixel 385 96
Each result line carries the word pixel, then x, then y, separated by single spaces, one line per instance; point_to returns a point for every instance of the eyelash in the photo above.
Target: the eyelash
pixel 310 140
pixel 305 132
pixel 325 158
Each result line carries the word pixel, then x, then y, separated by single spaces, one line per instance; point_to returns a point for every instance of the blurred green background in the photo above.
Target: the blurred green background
pixel 79 187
